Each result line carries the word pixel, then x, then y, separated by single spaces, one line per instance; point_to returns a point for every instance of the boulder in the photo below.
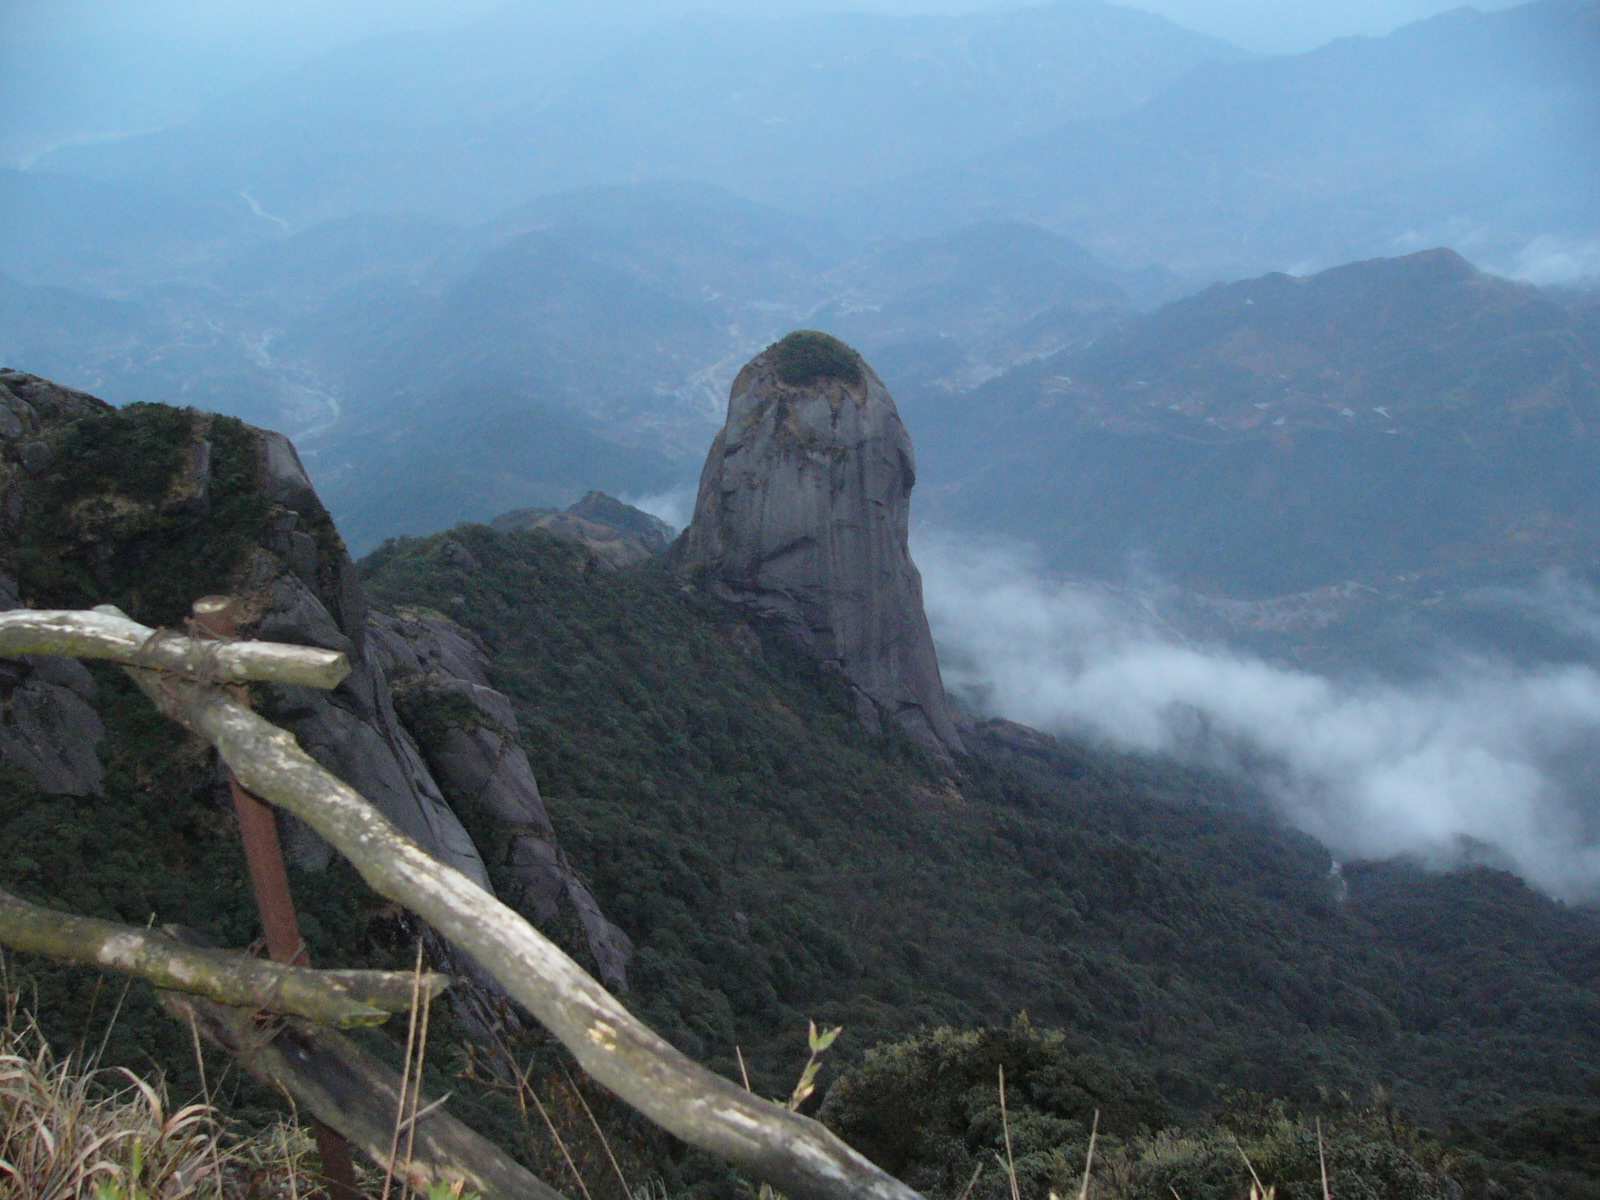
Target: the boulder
pixel 49 729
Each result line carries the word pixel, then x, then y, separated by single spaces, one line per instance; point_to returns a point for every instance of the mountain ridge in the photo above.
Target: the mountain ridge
pixel 1363 147
pixel 558 87
pixel 1378 419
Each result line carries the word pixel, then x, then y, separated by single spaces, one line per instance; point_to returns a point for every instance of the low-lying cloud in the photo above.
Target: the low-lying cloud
pixel 1548 260
pixel 674 506
pixel 1479 755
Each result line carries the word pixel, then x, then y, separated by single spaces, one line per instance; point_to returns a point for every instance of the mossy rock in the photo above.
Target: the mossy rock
pixel 116 521
pixel 807 356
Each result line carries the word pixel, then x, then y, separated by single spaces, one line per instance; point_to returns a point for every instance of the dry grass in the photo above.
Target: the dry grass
pixel 73 1130
pixel 70 1128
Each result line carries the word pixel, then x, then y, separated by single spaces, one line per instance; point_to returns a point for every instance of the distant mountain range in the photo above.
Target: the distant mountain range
pixel 1471 129
pixel 1149 144
pixel 537 100
pixel 954 310
pixel 462 322
pixel 586 338
pixel 1382 419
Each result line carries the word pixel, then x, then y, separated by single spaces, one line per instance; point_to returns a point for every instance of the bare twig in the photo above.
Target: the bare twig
pixel 605 1142
pixel 1256 1179
pixel 411 1121
pixel 1005 1126
pixel 1322 1161
pixel 405 1076
pixel 416 1082
pixel 205 1095
pixel 556 1136
pixel 1088 1160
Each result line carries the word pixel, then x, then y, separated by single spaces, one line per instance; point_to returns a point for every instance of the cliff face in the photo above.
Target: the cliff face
pixel 467 732
pixel 48 725
pixel 802 515
pixel 152 507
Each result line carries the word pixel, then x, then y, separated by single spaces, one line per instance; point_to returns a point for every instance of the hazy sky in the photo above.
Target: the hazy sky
pixel 1291 25
pixel 1272 25
pixel 81 69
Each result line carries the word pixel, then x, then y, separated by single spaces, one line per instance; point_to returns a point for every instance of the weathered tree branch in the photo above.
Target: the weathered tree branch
pixel 106 633
pixel 792 1152
pixel 342 998
pixel 356 1095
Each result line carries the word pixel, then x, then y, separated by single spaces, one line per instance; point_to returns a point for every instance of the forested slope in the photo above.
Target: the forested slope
pixel 774 862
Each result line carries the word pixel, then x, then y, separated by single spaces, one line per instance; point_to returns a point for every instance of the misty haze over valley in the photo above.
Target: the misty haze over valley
pixel 503 259
pixel 1250 351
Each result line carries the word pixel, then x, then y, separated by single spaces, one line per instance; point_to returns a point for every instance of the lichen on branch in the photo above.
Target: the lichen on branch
pixel 338 998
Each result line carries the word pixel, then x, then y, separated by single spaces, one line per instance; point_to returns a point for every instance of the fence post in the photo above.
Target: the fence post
pixel 217 617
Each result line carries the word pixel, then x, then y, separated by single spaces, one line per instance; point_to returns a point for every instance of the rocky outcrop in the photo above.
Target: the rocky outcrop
pixel 49 729
pixel 29 406
pixel 416 727
pixel 243 495
pixel 468 734
pixel 1012 737
pixel 617 534
pixel 802 516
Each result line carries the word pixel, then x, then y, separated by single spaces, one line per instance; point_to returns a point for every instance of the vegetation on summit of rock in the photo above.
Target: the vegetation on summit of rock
pixel 808 355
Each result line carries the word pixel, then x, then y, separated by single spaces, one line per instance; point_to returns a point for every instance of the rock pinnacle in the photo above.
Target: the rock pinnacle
pixel 802 515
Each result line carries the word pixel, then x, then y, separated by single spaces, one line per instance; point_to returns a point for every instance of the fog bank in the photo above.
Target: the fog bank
pixel 1481 760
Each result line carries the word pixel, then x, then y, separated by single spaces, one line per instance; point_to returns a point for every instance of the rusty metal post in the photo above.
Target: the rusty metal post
pixel 217 616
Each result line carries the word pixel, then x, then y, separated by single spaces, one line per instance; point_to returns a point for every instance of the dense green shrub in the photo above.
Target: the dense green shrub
pixel 1368 1157
pixel 806 356
pixel 928 1109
